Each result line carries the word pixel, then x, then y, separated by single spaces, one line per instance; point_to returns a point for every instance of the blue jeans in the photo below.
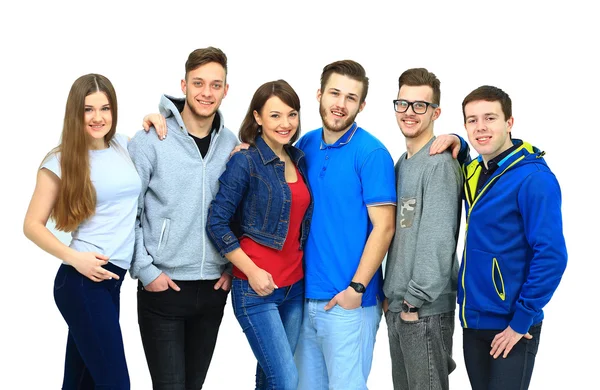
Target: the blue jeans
pixel 487 373
pixel 421 351
pixel 272 326
pixel 335 350
pixel 95 357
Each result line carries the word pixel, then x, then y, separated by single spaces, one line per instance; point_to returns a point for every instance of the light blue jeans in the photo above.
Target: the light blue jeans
pixel 335 349
pixel 272 325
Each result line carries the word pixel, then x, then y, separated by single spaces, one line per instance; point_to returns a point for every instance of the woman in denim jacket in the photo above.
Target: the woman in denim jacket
pixel 264 194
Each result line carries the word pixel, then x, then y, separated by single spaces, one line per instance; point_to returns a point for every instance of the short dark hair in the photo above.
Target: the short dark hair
pixel 204 56
pixel 249 129
pixel 348 68
pixel 417 77
pixel 489 94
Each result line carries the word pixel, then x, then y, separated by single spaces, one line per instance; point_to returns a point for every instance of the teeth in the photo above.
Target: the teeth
pixel 283 132
pixel 337 113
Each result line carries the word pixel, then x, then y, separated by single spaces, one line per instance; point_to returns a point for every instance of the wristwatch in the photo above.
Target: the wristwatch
pixel 408 309
pixel 358 287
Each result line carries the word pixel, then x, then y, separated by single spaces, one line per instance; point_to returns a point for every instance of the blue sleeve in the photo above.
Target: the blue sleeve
pixel 464 156
pixel 233 184
pixel 378 178
pixel 52 164
pixel 540 205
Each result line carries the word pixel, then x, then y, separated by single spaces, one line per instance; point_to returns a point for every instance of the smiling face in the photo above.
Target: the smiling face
pixel 97 117
pixel 204 89
pixel 488 130
pixel 279 122
pixel 339 102
pixel 415 125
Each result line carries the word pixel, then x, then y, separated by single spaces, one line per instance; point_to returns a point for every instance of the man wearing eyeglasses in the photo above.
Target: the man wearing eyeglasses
pixel 421 269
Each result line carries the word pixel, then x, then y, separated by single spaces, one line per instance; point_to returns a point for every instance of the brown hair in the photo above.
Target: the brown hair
pixel 249 129
pixel 349 68
pixel 417 77
pixel 77 197
pixel 489 94
pixel 204 56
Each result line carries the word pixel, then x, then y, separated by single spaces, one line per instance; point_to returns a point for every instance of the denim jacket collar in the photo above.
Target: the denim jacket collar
pixel 267 155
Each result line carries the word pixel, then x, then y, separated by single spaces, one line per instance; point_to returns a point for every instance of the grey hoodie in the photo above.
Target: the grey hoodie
pixel 177 188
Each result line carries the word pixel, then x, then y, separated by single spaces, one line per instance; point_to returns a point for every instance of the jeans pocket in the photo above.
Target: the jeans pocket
pixel 61 277
pixel 253 294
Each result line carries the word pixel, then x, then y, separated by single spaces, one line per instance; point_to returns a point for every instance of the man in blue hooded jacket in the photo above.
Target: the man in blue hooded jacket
pixel 515 253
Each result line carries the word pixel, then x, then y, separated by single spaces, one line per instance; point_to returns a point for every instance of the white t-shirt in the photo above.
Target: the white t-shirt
pixel 110 231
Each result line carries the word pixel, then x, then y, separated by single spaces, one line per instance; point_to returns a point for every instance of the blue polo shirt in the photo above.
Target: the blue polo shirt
pixel 345 177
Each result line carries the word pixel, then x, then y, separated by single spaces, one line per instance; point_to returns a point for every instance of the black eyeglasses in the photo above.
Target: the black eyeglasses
pixel 419 107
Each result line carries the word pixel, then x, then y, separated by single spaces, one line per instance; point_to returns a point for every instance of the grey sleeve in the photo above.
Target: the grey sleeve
pixel 142 266
pixel 437 235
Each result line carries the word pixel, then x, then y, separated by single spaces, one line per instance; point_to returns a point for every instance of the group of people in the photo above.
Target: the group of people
pixel 298 228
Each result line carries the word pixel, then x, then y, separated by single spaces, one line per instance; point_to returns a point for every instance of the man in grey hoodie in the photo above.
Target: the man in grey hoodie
pixel 183 283
pixel 422 267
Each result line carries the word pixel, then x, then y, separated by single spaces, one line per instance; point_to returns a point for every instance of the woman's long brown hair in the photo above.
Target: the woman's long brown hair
pixel 77 197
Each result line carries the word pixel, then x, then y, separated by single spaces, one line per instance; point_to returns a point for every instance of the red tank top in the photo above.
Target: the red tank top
pixel 285 265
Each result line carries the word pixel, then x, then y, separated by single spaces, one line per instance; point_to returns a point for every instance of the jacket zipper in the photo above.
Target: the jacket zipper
pixel 471 206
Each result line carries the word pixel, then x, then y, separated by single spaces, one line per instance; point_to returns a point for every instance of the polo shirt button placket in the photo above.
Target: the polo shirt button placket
pixel 325 163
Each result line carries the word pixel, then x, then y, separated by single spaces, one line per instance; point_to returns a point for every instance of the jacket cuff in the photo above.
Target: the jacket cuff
pixel 148 274
pixel 416 302
pixel 228 268
pixel 521 321
pixel 228 243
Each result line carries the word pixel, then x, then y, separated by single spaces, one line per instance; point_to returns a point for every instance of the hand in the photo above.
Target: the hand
pixel 385 305
pixel 409 316
pixel 348 299
pixel 505 341
pixel 443 142
pixel 239 147
pixel 224 282
pixel 159 122
pixel 89 264
pixel 262 282
pixel 162 283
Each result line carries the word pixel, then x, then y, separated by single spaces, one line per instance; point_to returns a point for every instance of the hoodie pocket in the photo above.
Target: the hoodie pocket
pixel 164 236
pixel 485 283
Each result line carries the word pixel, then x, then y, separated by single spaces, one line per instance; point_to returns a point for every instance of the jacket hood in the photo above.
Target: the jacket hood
pixel 525 153
pixel 170 106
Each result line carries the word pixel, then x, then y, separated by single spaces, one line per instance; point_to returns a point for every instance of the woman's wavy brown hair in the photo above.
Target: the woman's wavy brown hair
pixel 77 197
pixel 249 129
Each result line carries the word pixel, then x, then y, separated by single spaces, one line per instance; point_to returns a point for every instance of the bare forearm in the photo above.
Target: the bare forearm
pixel 241 260
pixel 375 249
pixel 43 238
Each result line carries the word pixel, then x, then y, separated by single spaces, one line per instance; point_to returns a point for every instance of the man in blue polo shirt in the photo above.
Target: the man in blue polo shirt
pixel 351 175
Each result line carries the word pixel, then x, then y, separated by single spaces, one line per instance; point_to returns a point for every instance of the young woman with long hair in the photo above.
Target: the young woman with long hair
pixel 264 193
pixel 89 187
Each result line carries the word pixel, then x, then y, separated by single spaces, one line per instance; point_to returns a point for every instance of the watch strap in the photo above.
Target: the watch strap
pixel 358 287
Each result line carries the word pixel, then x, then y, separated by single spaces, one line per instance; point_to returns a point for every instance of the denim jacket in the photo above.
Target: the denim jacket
pixel 253 192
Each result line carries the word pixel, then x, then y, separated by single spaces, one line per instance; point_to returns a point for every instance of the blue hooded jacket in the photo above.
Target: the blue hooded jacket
pixel 515 252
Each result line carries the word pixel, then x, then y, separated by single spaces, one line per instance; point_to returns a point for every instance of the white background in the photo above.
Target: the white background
pixel 542 53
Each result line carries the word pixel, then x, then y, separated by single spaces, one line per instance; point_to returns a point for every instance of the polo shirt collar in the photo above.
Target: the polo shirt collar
pixel 344 139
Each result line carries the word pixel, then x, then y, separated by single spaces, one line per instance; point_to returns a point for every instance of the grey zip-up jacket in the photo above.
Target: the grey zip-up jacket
pixel 178 186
